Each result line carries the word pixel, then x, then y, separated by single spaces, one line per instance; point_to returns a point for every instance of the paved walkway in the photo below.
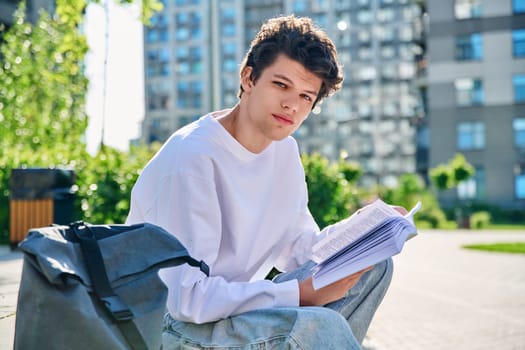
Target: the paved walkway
pixel 446 297
pixel 442 297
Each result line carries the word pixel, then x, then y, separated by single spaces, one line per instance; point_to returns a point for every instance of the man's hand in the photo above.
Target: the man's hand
pixel 400 210
pixel 308 296
pixel 397 208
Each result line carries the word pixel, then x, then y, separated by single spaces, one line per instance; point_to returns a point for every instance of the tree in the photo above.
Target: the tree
pixel 447 176
pixel 43 89
pixel 331 190
pixel 409 191
pixel 42 95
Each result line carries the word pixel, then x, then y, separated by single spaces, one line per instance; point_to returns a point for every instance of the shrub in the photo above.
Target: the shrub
pixel 480 219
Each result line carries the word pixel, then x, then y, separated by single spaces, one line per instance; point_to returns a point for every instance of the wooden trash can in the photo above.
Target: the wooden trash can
pixel 39 197
pixel 27 214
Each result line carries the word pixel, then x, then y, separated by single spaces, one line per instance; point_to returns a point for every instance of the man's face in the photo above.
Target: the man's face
pixel 280 100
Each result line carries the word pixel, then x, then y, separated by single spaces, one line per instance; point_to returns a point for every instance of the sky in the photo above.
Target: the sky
pixel 125 79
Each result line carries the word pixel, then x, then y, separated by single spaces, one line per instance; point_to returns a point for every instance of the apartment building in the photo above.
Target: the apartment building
pixel 374 119
pixel 191 56
pixel 476 94
pixel 194 47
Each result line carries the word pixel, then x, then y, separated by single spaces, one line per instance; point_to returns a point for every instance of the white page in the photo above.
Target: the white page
pixel 353 262
pixel 344 232
pixel 383 236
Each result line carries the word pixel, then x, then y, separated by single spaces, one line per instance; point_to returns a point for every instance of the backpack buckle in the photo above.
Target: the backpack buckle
pixel 117 308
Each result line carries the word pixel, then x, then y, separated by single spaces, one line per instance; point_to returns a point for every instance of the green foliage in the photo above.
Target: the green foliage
pixel 105 183
pixel 503 247
pixel 461 169
pixel 42 113
pixel 350 171
pixel 48 156
pixel 441 177
pixel 331 188
pixel 446 176
pixel 333 193
pixel 42 95
pixel 409 191
pixel 480 219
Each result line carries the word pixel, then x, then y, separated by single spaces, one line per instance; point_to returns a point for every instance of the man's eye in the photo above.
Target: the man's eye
pixel 279 84
pixel 307 98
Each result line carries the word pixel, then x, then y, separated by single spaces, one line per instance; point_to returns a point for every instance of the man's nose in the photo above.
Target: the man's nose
pixel 290 103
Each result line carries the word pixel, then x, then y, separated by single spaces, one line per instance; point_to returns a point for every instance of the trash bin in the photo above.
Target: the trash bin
pixel 39 197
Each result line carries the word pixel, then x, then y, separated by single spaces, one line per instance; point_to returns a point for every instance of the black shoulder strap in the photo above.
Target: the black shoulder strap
pixel 99 278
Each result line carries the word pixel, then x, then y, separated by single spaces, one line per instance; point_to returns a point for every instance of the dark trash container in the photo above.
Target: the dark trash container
pixel 39 197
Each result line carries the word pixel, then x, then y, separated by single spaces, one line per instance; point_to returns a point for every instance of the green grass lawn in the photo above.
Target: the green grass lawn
pixel 504 247
pixel 506 227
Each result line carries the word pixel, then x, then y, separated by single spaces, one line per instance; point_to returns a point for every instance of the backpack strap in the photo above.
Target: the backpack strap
pixel 116 307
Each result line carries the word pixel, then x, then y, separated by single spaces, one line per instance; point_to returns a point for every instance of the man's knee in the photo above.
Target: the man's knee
pixel 387 268
pixel 323 326
pixel 382 272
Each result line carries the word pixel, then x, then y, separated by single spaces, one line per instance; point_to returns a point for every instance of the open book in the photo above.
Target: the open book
pixel 366 238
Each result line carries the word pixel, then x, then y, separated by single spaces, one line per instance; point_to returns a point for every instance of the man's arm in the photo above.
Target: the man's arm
pixel 188 207
pixel 308 296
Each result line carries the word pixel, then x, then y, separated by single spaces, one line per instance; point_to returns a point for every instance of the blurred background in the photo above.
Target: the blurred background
pixel 433 101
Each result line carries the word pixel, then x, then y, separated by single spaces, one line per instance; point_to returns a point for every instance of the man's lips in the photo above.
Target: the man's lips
pixel 283 119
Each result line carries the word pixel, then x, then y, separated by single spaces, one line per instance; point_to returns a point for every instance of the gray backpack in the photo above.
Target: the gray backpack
pixel 95 286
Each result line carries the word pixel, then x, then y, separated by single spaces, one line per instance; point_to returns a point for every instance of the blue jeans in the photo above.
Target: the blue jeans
pixel 339 325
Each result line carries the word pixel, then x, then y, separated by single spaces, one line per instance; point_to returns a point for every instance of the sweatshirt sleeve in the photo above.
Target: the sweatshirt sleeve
pixel 187 206
pixel 306 234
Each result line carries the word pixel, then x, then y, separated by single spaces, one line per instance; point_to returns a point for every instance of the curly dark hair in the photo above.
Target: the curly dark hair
pixel 300 40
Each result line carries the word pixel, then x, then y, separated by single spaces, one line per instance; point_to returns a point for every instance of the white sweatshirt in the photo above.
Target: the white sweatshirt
pixel 242 213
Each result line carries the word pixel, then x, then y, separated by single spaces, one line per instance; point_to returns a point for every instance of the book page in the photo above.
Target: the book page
pixel 362 240
pixel 350 229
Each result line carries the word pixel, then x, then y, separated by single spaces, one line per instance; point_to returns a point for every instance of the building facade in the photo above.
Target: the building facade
pixel 193 51
pixel 8 7
pixel 476 94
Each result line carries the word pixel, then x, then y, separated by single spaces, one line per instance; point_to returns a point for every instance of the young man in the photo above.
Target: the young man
pixel 231 188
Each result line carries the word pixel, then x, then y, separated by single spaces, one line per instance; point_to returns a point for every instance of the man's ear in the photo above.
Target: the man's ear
pixel 246 80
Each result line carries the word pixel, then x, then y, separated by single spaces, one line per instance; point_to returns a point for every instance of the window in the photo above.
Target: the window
pixel 228 14
pixel 228 30
pixel 470 136
pixel 189 59
pixel 518 6
pixel 519 181
pixel 182 52
pixel 464 9
pixel 299 6
pixel 405 33
pixel 158 96
pixel 518 42
pixel 469 92
pixel 518 125
pixel 407 70
pixel 157 62
pixel 229 65
pixel 518 81
pixel 185 120
pixel 189 94
pixel 386 15
pixel 388 51
pixel 469 47
pixel 229 48
pixel 187 26
pixel 182 2
pixel 474 187
pixel 384 34
pixel 364 16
